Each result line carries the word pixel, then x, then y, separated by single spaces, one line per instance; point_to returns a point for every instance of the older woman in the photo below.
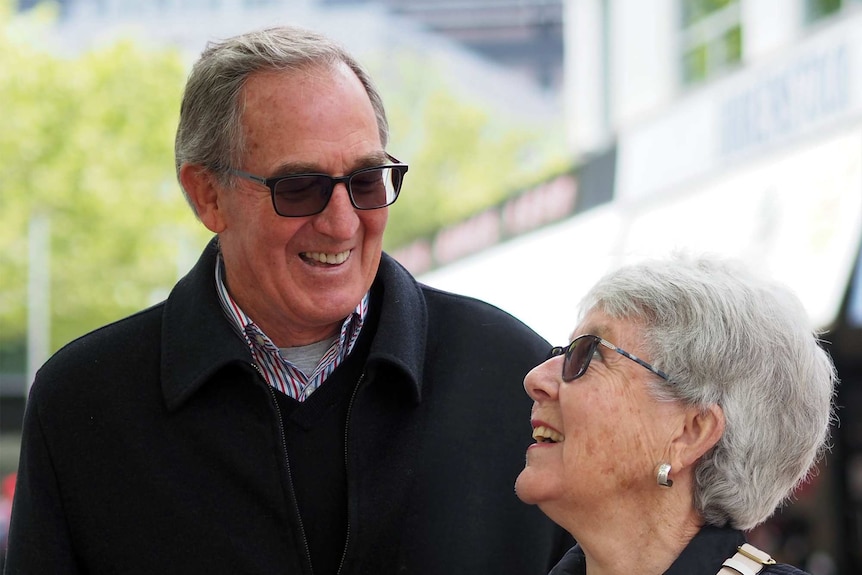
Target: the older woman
pixel 692 400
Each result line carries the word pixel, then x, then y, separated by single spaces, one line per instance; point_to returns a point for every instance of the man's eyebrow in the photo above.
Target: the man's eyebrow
pixel 367 161
pixel 291 168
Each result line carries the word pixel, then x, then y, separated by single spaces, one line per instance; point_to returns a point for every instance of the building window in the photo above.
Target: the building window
pixel 817 9
pixel 710 38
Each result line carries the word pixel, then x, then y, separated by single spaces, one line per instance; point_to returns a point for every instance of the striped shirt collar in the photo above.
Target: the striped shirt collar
pixel 277 371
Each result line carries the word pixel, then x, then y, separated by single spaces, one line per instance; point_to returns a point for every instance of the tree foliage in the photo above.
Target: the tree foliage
pixel 463 157
pixel 88 142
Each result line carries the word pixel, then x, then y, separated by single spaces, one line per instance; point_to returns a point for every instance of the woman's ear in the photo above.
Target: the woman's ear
pixel 205 194
pixel 700 432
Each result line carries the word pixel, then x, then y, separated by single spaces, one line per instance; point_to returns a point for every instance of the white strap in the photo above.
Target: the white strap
pixel 749 560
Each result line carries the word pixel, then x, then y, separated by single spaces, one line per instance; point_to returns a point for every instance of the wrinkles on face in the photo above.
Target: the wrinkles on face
pixel 619 430
pixel 615 430
pixel 298 278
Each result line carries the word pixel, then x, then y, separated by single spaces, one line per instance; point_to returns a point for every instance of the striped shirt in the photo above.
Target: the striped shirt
pixel 281 374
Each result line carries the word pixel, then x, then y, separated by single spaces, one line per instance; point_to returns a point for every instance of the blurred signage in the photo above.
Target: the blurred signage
pixel 536 277
pixel 543 204
pixel 797 217
pixel 813 88
pixel 816 85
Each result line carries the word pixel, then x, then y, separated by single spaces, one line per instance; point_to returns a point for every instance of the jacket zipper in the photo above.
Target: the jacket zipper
pixel 287 465
pixel 346 429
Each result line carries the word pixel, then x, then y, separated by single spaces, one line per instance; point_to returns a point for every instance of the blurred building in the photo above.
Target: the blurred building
pixel 723 126
pixel 526 36
pixel 523 35
pixel 726 126
pixel 504 54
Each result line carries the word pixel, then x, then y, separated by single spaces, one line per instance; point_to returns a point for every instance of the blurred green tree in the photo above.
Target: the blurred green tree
pixel 87 142
pixel 464 156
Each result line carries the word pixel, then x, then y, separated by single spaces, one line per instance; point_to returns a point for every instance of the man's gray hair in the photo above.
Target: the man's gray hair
pixel 210 127
pixel 728 337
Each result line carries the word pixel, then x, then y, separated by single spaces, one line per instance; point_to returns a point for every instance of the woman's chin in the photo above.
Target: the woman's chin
pixel 527 487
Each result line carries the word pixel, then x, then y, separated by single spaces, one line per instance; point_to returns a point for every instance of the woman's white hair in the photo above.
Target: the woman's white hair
pixel 728 337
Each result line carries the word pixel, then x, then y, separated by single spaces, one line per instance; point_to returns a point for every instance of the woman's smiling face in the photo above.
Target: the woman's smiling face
pixel 599 437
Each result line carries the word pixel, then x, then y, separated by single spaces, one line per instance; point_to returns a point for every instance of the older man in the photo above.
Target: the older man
pixel 299 403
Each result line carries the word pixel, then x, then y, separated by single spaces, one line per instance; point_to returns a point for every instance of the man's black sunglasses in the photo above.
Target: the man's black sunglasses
pixel 579 353
pixel 300 195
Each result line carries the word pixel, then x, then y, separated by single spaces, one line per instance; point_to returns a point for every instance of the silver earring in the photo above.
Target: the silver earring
pixel 662 475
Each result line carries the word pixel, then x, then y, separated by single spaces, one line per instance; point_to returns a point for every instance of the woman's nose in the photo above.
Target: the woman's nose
pixel 543 381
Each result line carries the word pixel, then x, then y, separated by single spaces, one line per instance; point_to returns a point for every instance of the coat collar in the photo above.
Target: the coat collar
pixel 704 553
pixel 707 550
pixel 198 341
pixel 401 336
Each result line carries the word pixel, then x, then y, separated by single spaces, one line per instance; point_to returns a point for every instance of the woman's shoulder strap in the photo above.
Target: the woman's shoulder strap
pixel 748 560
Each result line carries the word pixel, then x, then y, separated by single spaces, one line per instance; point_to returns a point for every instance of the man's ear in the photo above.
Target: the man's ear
pixel 205 195
pixel 700 432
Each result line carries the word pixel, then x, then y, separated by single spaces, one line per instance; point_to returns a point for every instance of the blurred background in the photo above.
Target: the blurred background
pixel 549 141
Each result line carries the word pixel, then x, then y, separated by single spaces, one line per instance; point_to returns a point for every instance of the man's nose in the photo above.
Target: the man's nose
pixel 339 219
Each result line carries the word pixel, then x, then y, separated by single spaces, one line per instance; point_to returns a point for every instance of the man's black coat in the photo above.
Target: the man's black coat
pixel 152 445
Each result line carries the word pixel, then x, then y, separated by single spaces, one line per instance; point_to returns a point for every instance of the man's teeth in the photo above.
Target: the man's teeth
pixel 544 434
pixel 327 258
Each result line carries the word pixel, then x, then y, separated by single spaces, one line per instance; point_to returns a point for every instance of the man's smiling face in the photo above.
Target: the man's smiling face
pixel 298 278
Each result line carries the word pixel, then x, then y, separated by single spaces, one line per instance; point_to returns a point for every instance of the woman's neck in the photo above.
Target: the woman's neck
pixel 630 536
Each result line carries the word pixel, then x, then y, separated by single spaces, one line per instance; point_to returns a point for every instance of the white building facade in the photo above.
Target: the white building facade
pixel 736 128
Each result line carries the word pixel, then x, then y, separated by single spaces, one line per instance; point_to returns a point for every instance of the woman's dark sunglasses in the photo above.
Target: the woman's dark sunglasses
pixel 299 195
pixel 579 353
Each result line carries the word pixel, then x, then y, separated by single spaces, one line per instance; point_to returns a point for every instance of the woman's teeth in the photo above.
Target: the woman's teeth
pixel 544 434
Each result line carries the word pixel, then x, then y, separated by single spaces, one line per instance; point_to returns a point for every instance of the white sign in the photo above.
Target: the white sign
pixel 797 218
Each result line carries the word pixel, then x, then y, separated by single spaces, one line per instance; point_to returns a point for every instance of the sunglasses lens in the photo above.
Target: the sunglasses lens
pixel 301 196
pixel 578 357
pixel 375 188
